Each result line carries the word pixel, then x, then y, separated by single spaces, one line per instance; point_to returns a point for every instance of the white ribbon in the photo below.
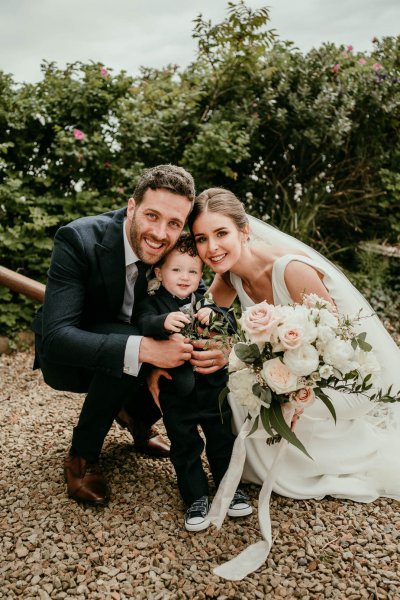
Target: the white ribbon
pixel 252 557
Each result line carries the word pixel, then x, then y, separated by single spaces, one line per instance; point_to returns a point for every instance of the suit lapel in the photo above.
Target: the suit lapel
pixel 111 261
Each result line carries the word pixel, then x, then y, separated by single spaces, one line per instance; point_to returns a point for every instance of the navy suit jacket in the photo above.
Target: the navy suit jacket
pixel 150 314
pixel 86 283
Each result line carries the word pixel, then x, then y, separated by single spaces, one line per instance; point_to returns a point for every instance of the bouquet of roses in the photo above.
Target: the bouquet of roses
pixel 287 356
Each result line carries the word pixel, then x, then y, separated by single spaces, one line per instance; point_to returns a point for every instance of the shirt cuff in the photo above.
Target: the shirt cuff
pixel 131 358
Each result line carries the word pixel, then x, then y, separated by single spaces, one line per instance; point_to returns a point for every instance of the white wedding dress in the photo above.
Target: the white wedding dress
pixel 358 457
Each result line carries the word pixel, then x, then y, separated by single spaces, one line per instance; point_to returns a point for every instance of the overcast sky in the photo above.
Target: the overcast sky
pixel 125 34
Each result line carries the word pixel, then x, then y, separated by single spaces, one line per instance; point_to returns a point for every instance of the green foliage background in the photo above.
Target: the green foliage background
pixel 309 141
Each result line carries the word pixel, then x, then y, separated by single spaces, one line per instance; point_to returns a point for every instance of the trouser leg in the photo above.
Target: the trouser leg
pixel 105 398
pixel 217 428
pixel 180 420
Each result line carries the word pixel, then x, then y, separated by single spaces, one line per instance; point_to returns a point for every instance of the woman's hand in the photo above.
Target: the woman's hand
pixel 153 383
pixel 210 360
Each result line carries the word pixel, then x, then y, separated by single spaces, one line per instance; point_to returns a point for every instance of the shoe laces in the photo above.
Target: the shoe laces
pixel 239 498
pixel 198 508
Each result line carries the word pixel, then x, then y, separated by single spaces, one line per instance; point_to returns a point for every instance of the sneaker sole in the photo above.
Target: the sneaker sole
pixel 197 526
pixel 241 512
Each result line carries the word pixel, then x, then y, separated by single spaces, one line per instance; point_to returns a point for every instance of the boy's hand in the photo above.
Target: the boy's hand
pixel 176 321
pixel 203 315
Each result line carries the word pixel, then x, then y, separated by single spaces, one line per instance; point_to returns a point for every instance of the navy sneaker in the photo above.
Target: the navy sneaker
pixel 196 515
pixel 239 506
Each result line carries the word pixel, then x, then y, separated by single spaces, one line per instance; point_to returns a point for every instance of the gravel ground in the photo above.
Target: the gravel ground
pixel 136 547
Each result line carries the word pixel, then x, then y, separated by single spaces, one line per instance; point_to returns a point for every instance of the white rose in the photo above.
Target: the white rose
pixel 326 371
pixel 325 333
pixel 327 319
pixel 240 386
pixel 366 363
pixel 235 364
pixel 339 354
pixel 290 337
pixel 259 322
pixel 302 361
pixel 278 376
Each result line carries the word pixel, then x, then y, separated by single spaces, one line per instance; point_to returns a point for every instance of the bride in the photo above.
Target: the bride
pixel 358 457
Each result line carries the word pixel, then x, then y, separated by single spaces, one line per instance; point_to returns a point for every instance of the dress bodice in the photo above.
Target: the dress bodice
pixel 279 289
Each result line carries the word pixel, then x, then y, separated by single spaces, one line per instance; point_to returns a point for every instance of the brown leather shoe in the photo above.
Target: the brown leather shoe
pixel 145 439
pixel 85 481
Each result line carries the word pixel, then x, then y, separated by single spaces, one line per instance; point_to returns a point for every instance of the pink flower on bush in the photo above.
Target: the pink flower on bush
pixel 103 72
pixel 259 322
pixel 335 68
pixel 350 48
pixel 377 66
pixel 362 61
pixel 79 135
pixel 345 55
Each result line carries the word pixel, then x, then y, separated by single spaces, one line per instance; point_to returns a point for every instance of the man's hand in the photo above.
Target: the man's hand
pixel 175 321
pixel 210 360
pixel 165 354
pixel 153 383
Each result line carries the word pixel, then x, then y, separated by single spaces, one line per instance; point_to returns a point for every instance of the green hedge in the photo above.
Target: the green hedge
pixel 309 141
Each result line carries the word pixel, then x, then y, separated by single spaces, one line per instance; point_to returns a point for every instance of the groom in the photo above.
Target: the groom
pixel 84 339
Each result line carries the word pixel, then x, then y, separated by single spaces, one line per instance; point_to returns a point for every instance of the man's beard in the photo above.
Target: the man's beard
pixel 135 237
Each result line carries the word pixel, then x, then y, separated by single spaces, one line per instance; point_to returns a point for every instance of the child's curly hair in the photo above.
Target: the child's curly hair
pixel 186 244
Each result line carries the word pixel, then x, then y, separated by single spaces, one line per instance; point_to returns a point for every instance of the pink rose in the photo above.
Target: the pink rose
pixel 377 66
pixel 302 398
pixel 291 337
pixel 103 72
pixel 350 48
pixel 362 61
pixel 345 55
pixel 79 135
pixel 259 322
pixel 335 68
pixel 278 376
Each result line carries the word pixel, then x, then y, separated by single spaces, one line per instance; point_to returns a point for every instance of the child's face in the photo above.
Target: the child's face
pixel 180 273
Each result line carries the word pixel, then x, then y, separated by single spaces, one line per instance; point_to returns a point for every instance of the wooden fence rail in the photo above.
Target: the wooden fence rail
pixel 22 284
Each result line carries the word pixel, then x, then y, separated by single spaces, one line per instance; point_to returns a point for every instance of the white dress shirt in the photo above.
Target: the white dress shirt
pixel 131 359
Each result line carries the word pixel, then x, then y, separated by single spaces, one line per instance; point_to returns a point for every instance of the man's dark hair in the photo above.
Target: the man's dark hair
pixel 169 177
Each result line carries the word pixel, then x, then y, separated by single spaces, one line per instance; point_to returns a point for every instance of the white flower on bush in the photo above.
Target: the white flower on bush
pixel 278 377
pixel 326 371
pixel 302 398
pixel 259 322
pixel 339 354
pixel 366 363
pixel 302 361
pixel 235 364
pixel 240 387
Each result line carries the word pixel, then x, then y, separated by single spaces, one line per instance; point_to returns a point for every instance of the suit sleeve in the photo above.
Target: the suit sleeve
pixel 148 320
pixel 64 339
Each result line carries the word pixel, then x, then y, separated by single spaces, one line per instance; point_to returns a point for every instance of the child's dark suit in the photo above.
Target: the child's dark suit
pixel 187 401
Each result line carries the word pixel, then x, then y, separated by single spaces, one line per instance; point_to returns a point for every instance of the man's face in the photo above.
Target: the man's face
pixel 154 226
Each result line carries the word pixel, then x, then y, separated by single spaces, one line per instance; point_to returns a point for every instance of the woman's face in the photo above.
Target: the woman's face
pixel 219 242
